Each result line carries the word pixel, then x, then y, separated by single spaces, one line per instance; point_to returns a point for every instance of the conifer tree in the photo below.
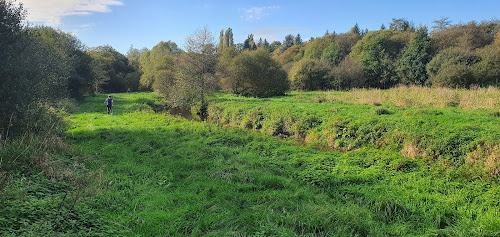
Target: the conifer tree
pixel 355 30
pixel 412 65
pixel 297 40
pixel 221 41
pixel 228 38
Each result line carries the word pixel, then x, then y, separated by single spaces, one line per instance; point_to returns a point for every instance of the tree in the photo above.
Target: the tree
pixel 255 73
pixel 355 30
pixel 224 70
pixel 310 74
pixel 133 79
pixel 290 56
pixel 441 24
pixel 349 74
pixel 297 40
pixel 453 68
pixel 315 48
pixel 110 69
pixel 249 43
pixel 158 65
pixel 71 53
pixel 196 71
pixel 487 71
pixel 412 65
pixel 35 69
pixel 260 44
pixel 221 41
pixel 333 54
pixel 228 38
pixel 401 24
pixel 266 45
pixel 469 36
pixel 378 52
pixel 288 42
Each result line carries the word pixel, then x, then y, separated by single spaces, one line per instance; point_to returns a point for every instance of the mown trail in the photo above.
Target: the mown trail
pixel 165 176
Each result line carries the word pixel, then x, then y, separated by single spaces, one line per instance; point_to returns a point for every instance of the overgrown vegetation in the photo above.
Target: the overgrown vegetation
pixel 410 160
pixel 441 128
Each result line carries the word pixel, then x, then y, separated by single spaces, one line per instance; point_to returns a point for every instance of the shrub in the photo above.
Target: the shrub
pixel 381 111
pixel 255 73
pixel 453 76
pixel 452 68
pixel 310 74
pixel 349 74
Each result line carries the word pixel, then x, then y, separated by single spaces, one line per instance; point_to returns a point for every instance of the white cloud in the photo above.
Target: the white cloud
pixel 50 12
pixel 256 13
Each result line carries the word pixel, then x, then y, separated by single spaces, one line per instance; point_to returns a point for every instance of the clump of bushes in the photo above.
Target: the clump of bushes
pixel 252 73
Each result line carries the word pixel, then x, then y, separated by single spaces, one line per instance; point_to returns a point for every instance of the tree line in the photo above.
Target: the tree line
pixel 40 67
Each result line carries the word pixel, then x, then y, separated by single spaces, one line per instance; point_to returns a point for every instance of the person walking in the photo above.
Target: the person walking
pixel 109 104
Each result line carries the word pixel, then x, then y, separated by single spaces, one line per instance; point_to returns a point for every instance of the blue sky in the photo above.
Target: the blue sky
pixel 144 23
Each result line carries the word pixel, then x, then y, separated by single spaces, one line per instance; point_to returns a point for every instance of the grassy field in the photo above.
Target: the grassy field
pixel 343 169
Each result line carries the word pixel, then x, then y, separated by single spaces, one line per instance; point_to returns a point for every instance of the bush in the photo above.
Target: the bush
pixel 454 76
pixel 453 68
pixel 310 74
pixel 349 74
pixel 255 73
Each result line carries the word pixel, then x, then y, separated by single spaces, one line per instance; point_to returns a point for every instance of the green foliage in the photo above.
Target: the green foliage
pixel 195 78
pixel 249 43
pixel 310 74
pixel 333 54
pixel 487 71
pixel 290 56
pixel 454 76
pixel 412 64
pixel 253 74
pixel 453 68
pixel 315 48
pixel 206 180
pixel 274 46
pixel 36 68
pixel 381 111
pixel 401 24
pixel 378 52
pixel 349 74
pixel 159 66
pixel 110 69
pixel 466 36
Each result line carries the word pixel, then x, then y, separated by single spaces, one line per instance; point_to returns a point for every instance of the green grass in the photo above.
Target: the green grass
pixel 164 176
pixel 168 176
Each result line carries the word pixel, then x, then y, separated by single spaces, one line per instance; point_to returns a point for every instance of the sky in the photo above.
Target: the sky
pixel 144 23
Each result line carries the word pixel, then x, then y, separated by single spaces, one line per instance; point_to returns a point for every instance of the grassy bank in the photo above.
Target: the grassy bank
pixel 159 175
pixel 465 142
pixel 176 177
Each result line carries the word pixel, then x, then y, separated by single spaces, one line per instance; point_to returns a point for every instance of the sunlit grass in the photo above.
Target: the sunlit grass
pixel 168 176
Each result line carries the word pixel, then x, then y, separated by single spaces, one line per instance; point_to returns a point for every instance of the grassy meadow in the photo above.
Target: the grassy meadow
pixel 305 164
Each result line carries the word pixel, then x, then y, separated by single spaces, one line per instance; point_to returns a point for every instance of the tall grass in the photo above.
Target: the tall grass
pixel 417 96
pixel 164 176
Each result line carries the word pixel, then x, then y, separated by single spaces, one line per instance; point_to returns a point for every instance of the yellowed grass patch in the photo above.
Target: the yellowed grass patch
pixel 419 96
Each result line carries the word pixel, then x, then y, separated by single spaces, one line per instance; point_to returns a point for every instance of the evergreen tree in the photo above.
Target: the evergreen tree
pixel 260 44
pixel 266 45
pixel 355 30
pixel 228 38
pixel 221 41
pixel 412 65
pixel 289 40
pixel 297 40
pixel 253 46
pixel 249 43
